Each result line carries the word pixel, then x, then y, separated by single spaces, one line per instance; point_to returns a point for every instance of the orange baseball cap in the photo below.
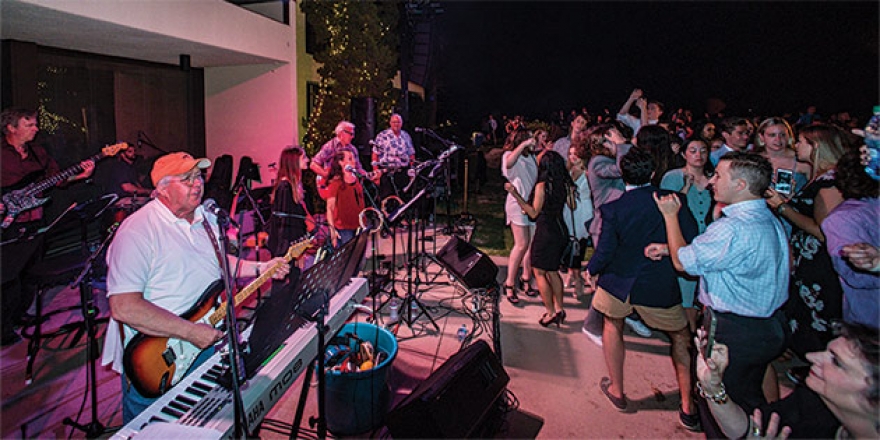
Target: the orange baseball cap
pixel 173 164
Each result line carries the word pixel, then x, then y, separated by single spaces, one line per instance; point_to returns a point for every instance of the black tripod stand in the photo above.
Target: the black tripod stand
pixel 94 428
pixel 422 257
pixel 411 301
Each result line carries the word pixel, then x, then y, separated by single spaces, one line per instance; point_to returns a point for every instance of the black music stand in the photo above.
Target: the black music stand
pixel 58 270
pixel 312 301
pixel 406 306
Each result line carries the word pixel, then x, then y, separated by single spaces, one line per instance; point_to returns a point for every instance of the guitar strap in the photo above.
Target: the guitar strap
pixel 213 239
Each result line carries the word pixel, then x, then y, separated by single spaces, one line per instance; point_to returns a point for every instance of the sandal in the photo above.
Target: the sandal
pixel 527 288
pixel 510 293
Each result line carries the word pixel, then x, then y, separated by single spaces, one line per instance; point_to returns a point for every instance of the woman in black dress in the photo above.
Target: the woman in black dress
pixel 290 218
pixel 815 297
pixel 553 190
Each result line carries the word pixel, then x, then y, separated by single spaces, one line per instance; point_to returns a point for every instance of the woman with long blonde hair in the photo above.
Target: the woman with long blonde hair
pixel 815 295
pixel 775 141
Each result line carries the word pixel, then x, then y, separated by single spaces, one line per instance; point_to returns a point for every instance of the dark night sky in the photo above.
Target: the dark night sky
pixel 532 58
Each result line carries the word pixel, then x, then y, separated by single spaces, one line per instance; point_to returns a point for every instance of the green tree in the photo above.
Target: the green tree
pixel 357 43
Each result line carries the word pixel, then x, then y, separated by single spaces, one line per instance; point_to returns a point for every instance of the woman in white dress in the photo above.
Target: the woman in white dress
pixel 519 167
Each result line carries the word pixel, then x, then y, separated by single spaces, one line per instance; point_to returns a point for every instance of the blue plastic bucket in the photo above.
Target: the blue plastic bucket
pixel 357 402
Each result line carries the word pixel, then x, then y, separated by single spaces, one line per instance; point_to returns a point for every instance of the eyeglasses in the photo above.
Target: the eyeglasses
pixel 190 179
pixel 350 132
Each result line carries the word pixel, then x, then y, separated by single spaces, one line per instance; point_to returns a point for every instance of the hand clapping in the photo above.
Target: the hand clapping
pixel 668 204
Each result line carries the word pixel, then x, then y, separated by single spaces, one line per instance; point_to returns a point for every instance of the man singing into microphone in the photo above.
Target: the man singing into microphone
pixel 324 159
pixel 393 152
pixel 163 258
pixel 345 198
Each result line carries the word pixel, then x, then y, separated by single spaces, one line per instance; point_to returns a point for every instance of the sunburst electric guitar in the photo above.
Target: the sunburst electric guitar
pixel 155 364
pixel 19 200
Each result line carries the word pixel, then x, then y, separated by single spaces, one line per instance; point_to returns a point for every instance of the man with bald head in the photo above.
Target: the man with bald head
pixel 393 152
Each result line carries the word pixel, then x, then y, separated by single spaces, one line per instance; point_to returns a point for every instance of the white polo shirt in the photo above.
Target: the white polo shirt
pixel 169 260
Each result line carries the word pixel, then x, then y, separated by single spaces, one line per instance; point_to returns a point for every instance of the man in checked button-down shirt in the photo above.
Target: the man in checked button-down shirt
pixel 742 261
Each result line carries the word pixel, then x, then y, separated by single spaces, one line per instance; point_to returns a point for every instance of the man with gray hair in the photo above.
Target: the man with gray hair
pixel 393 153
pixel 163 261
pixel 344 135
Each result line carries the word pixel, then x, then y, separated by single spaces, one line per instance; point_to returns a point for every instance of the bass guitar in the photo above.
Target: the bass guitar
pixel 24 199
pixel 154 364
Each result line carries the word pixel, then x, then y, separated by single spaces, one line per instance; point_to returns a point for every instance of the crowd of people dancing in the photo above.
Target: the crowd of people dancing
pixel 766 228
pixel 743 239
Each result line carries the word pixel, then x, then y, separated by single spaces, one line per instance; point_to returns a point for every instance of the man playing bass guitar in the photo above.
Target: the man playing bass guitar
pixel 164 256
pixel 23 162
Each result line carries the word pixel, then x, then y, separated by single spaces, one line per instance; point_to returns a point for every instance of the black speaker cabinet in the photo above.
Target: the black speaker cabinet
pixel 466 263
pixel 453 402
pixel 363 116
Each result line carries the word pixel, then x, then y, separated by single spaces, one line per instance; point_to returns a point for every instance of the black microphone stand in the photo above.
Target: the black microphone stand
pixel 450 228
pixel 93 429
pixel 374 277
pixel 410 301
pixel 242 183
pixel 143 139
pixel 232 335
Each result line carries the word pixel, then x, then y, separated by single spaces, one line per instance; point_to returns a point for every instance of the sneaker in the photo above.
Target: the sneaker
pixel 594 338
pixel 618 402
pixel 638 327
pixel 691 422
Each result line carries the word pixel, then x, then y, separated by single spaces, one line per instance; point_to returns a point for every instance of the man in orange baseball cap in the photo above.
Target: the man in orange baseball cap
pixel 162 263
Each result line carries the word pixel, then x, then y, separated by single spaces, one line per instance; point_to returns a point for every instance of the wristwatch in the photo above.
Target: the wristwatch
pixel 781 208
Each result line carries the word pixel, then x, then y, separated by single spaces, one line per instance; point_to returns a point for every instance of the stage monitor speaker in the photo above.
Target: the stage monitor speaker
pixel 466 263
pixel 363 116
pixel 454 401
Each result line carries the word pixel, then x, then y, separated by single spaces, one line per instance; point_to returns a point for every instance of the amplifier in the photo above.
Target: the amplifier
pixel 467 264
pixel 455 400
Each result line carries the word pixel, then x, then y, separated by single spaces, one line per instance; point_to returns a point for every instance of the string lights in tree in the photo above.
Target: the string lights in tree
pixel 357 49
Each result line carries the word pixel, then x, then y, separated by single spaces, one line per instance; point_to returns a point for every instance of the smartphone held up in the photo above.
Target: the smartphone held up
pixel 784 181
pixel 707 343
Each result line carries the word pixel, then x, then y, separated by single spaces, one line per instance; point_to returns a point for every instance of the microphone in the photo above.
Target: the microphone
pixel 357 173
pixel 444 155
pixel 420 129
pixel 211 206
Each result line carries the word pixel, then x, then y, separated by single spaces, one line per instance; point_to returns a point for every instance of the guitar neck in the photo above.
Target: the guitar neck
pixel 220 313
pixel 67 173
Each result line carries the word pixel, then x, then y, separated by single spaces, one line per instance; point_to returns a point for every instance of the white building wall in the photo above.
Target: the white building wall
pixel 250 109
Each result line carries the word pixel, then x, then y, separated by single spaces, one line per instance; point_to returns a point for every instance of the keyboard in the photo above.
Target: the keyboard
pixel 199 406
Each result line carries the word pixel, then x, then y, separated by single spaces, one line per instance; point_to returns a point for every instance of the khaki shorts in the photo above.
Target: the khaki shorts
pixel 665 319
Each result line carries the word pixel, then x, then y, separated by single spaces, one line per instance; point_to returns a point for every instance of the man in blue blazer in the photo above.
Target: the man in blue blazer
pixel 628 280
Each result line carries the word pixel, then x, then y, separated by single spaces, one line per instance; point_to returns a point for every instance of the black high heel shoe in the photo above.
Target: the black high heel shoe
pixel 526 287
pixel 545 321
pixel 510 293
pixel 560 317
